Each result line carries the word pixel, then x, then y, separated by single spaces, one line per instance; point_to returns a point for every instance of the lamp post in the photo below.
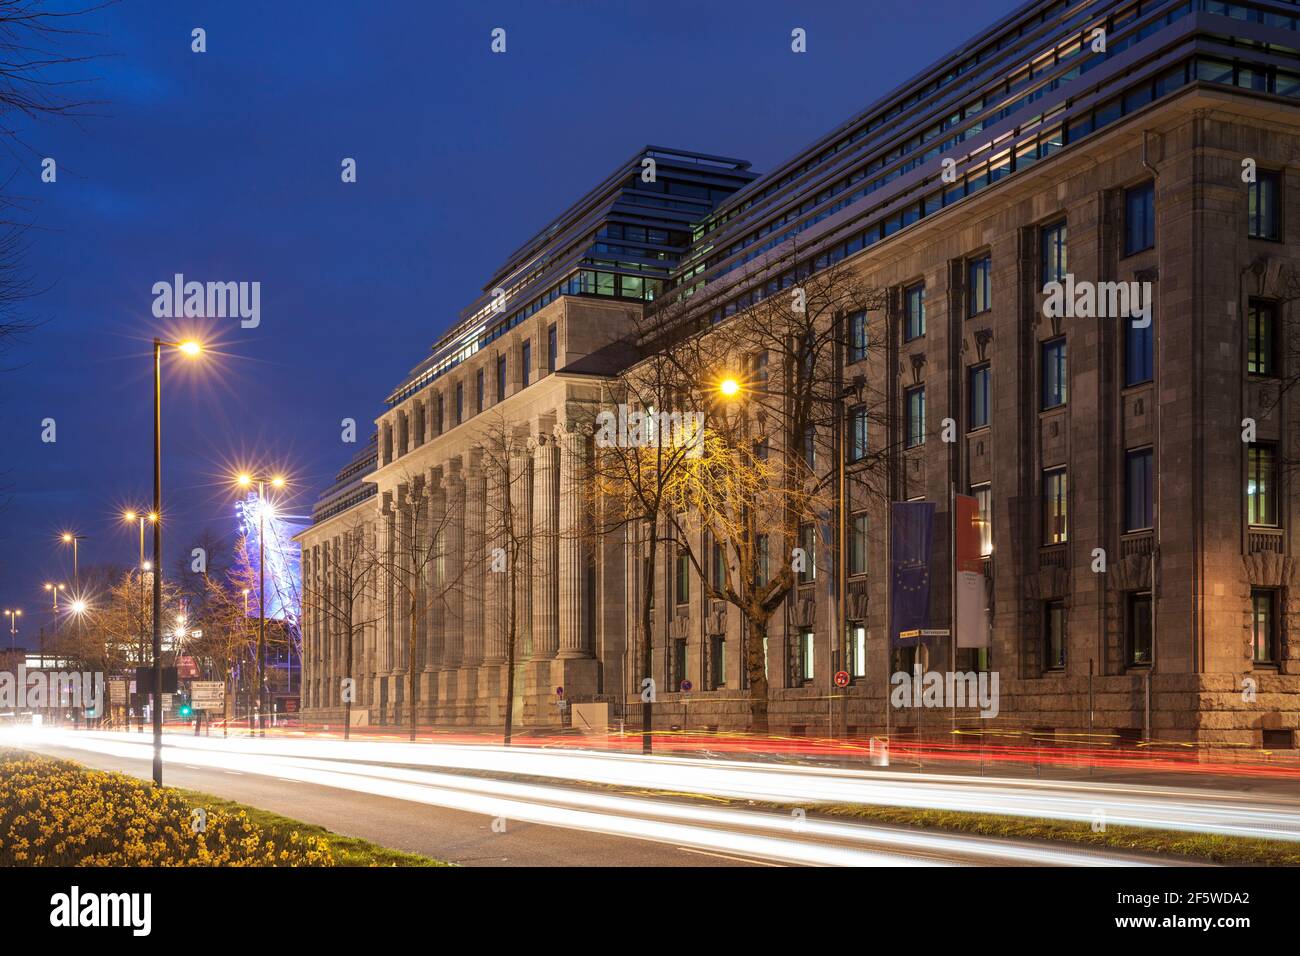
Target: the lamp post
pixel 72 538
pixel 190 349
pixel 13 627
pixel 245 481
pixel 143 566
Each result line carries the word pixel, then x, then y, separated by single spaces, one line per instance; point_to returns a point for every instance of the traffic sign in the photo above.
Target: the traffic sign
pixel 841 678
pixel 559 692
pixel 686 685
pixel 209 695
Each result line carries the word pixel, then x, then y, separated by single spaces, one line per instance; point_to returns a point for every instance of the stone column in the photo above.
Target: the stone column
pixel 385 624
pixel 520 550
pixel 452 552
pixel 434 573
pixel 496 585
pixel 545 565
pixel 470 564
pixel 578 664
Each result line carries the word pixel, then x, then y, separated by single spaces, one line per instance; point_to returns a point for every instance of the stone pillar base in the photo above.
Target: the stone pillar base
pixel 427 708
pixel 540 708
pixel 379 700
pixel 465 704
pixel 490 702
pixel 449 690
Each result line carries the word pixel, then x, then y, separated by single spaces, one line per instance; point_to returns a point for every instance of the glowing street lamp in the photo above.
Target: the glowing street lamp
pixel 190 349
pixel 729 387
pixel 246 480
pixel 13 626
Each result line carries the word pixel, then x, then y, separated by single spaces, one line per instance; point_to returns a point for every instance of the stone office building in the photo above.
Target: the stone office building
pixel 1139 559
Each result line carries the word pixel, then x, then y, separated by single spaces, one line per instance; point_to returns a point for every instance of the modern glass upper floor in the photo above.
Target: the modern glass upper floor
pixel 1027 87
pixel 625 238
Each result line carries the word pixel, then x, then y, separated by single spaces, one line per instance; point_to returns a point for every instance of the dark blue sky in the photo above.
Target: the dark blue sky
pixel 225 166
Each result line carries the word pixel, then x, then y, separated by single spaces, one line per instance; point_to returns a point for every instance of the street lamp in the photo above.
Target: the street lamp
pixel 191 349
pixel 246 480
pixel 13 627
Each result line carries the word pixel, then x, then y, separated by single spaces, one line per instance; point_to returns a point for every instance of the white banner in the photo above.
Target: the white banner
pixel 972 611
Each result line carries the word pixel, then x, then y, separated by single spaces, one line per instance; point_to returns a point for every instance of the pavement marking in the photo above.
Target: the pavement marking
pixel 723 856
pixel 234 772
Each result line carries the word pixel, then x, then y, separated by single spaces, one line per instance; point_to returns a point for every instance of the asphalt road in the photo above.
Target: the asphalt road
pixel 442 802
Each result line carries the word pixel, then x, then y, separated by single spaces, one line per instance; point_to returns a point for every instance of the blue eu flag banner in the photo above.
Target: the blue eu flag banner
pixel 909 569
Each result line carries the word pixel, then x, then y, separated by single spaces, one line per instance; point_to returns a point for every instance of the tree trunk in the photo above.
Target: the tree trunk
pixel 510 654
pixel 647 644
pixel 411 680
pixel 756 668
pixel 352 687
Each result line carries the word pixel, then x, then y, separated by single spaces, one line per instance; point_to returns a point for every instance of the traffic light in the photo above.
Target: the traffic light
pixel 185 710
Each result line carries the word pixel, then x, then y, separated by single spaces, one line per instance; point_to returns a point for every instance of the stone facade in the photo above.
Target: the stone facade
pixel 1204 557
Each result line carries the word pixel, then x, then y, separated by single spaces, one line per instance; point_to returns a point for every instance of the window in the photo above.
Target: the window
pixel 1139 490
pixel 437 414
pixel 979 396
pixel 810 447
pixel 807 649
pixel 980 282
pixel 1055 379
pixel 1054 636
pixel 501 378
pixel 478 391
pixel 717 567
pixel 1055 489
pixel 1261 328
pixel 552 349
pixel 1137 629
pixel 858 543
pixel 1054 261
pixel 460 402
pixel 983 495
pixel 857 650
pixel 915 405
pixel 1263 205
pixel 1263 606
pixel 760 559
pixel 679 663
pixel 808 542
pixel 1261 486
pixel 717 661
pixel 1139 364
pixel 1139 218
pixel 913 312
pixel 857 339
pixel 682 577
pixel 526 361
pixel 857 433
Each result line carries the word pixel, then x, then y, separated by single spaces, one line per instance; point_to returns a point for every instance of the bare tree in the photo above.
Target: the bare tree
pixel 336 593
pixel 646 441
pixel 416 564
pixel 508 533
pixel 771 381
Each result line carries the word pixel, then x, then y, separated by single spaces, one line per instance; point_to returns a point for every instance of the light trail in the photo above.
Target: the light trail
pixel 396 769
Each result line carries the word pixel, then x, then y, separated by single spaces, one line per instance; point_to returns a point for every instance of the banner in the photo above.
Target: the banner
pixel 909 569
pixel 972 602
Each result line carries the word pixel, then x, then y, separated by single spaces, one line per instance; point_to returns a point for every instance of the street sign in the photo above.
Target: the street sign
pixel 144 678
pixel 117 690
pixel 841 678
pixel 208 695
pixel 559 692
pixel 686 685
pixel 924 632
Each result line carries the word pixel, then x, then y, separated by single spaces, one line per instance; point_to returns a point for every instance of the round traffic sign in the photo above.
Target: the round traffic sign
pixel 559 692
pixel 686 685
pixel 841 678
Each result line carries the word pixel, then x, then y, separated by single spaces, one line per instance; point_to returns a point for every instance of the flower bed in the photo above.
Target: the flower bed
pixel 57 813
